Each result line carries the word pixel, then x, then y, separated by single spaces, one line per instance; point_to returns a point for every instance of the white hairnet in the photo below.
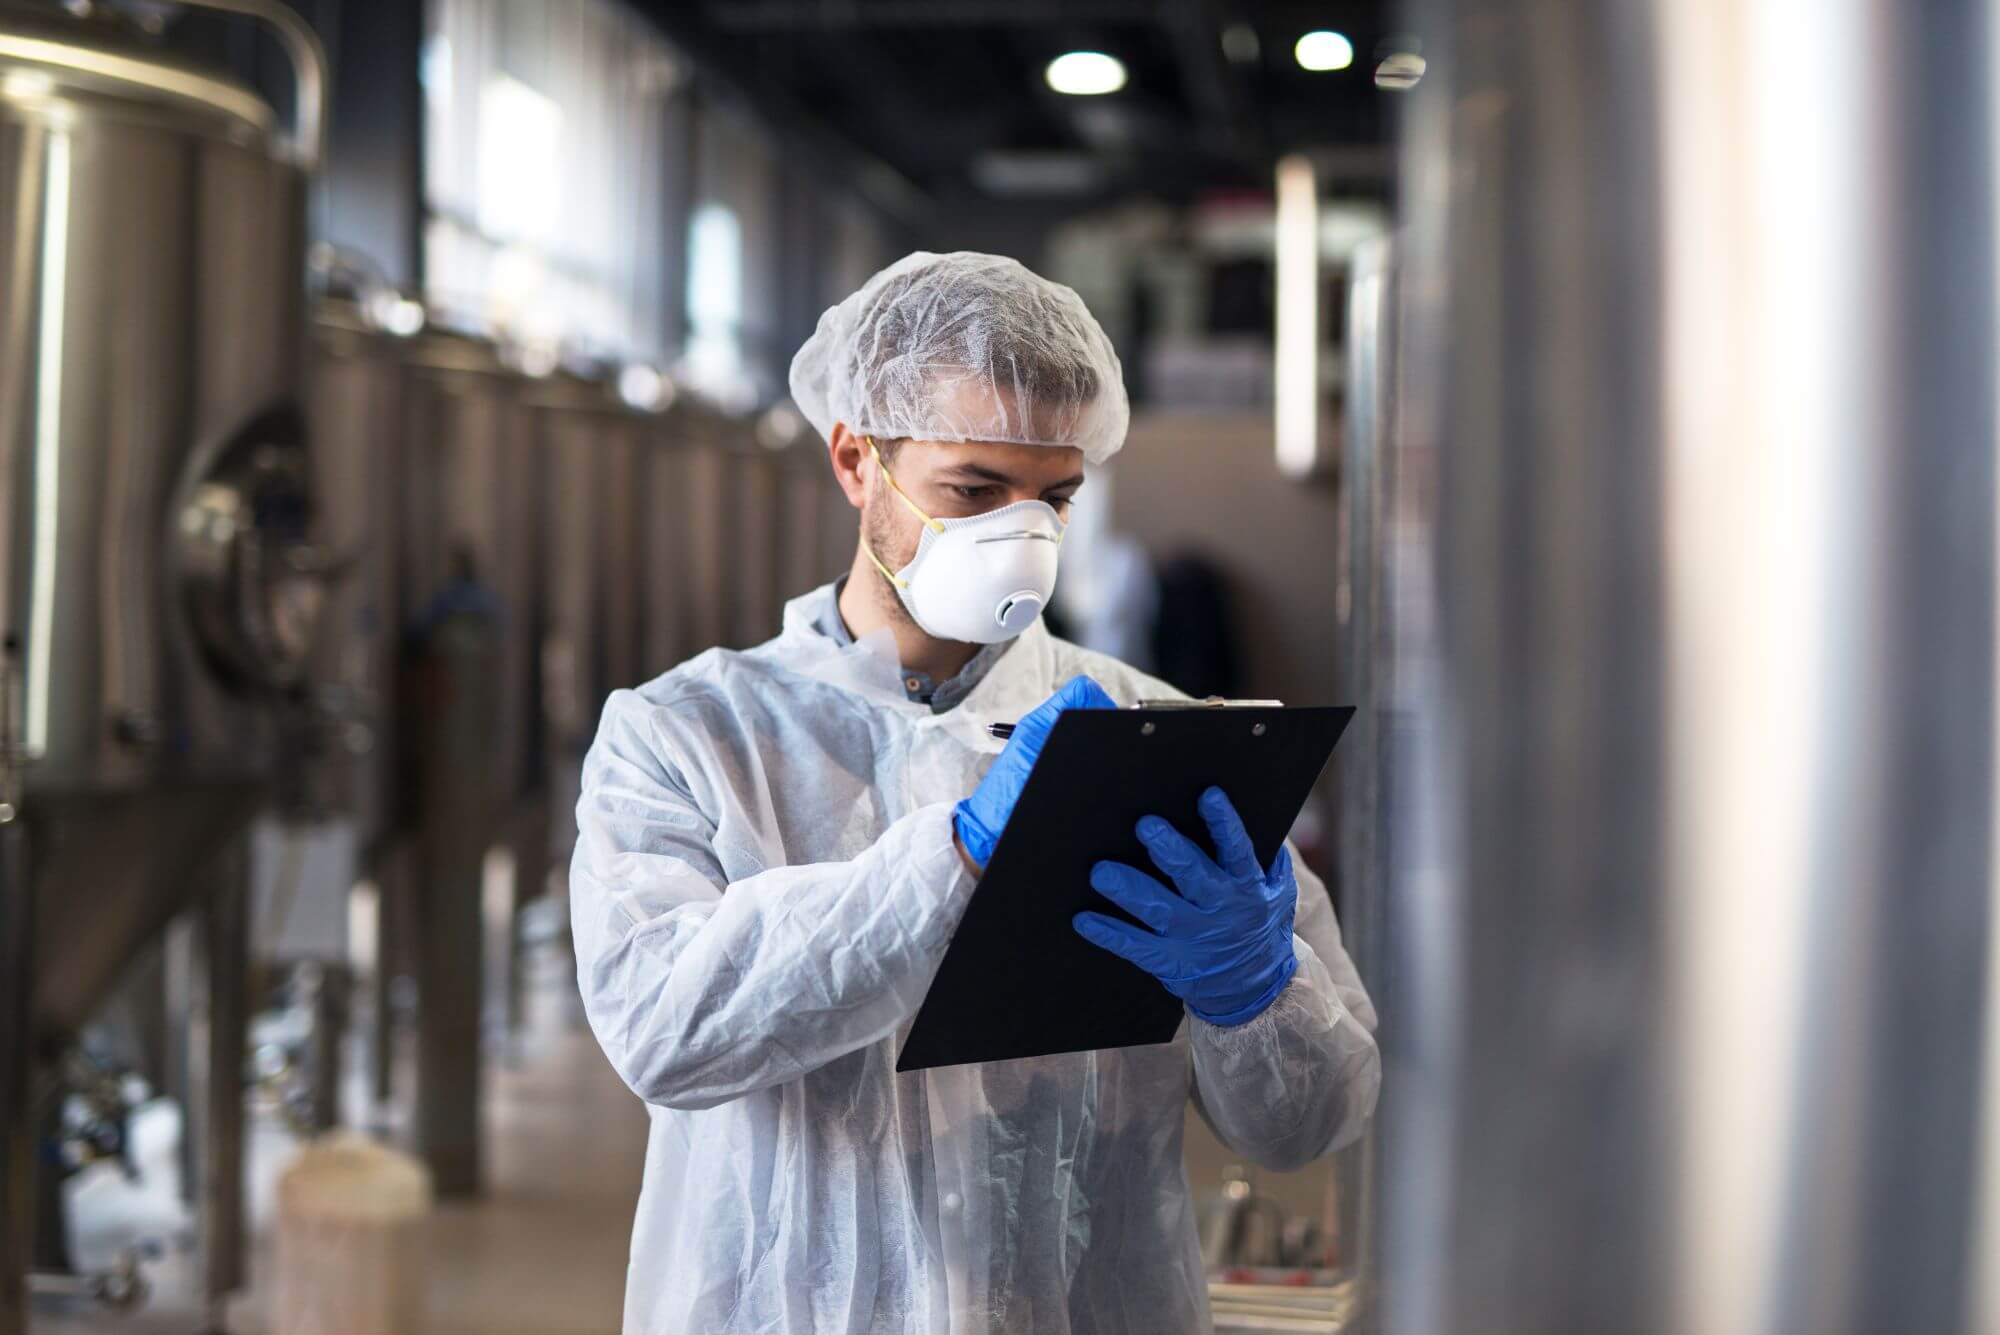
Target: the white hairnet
pixel 964 347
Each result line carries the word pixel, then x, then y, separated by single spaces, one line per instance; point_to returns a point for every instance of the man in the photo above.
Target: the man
pixel 775 845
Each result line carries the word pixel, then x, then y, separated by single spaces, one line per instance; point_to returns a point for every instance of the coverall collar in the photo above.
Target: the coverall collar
pixel 822 607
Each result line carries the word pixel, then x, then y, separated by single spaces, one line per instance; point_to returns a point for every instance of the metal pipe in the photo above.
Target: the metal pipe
pixel 309 71
pixel 1362 679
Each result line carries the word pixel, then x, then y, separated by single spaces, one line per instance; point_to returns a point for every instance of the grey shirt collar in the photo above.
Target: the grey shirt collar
pixel 920 688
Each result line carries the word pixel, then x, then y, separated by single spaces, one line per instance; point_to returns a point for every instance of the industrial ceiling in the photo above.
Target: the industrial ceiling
pixel 947 99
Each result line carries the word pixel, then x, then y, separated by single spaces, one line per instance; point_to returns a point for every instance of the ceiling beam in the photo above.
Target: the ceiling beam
pixel 745 16
pixel 1222 117
pixel 801 131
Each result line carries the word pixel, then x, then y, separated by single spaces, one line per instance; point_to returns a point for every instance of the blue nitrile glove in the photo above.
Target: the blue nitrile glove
pixel 980 818
pixel 1223 944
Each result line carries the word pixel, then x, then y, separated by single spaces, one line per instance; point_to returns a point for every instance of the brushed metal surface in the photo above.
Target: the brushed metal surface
pixel 146 349
pixel 150 310
pixel 753 518
pixel 605 533
pixel 663 538
pixel 1362 664
pixel 710 580
pixel 572 648
pixel 111 870
pixel 18 1124
pixel 806 483
pixel 1694 838
pixel 354 414
pixel 621 559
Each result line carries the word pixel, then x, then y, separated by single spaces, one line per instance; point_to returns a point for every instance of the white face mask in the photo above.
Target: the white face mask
pixel 981 579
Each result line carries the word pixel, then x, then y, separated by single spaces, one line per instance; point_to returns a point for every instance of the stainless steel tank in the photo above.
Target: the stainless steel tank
pixel 805 482
pixel 575 507
pixel 158 582
pixel 356 410
pixel 472 489
pixel 709 515
pixel 616 540
pixel 429 466
pixel 663 538
pixel 573 636
pixel 622 569
pixel 620 589
pixel 156 575
pixel 753 544
pixel 1693 1013
pixel 427 450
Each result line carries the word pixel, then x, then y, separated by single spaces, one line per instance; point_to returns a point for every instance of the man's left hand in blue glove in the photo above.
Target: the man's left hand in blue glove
pixel 1223 944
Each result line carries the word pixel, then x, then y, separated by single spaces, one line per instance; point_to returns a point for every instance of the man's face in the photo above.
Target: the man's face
pixel 954 480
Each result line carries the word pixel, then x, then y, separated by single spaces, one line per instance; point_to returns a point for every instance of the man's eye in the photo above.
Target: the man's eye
pixel 973 493
pixel 1060 503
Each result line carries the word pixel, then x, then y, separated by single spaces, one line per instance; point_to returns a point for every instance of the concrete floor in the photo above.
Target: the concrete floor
pixel 544 1252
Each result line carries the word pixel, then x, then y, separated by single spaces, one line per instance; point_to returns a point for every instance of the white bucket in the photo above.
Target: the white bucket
pixel 350 1253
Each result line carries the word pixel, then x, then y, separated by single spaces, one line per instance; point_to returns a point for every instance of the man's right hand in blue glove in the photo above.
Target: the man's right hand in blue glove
pixel 979 819
pixel 1223 944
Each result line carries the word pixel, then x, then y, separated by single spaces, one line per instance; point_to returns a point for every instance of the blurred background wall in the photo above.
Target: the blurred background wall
pixel 1205 484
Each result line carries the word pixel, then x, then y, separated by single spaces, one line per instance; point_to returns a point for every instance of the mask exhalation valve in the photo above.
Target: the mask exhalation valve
pixel 1018 610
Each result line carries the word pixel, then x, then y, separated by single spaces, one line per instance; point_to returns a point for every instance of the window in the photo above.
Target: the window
pixel 520 136
pixel 714 362
pixel 547 132
pixel 734 348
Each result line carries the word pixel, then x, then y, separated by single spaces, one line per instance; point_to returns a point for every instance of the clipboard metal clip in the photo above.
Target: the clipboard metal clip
pixel 1002 731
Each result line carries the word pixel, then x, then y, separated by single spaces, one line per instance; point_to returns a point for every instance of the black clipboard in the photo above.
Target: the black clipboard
pixel 1016 980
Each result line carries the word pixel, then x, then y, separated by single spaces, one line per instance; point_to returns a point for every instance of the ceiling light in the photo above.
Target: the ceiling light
pixel 1324 50
pixel 1399 73
pixel 1086 73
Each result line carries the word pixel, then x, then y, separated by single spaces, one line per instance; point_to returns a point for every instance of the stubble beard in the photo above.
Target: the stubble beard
pixel 894 551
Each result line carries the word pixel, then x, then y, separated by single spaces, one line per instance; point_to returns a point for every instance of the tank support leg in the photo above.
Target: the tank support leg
pixel 17 1063
pixel 531 873
pixel 222 982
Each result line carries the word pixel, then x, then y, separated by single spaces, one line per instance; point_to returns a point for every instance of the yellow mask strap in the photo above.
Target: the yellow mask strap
pixel 935 525
pixel 887 573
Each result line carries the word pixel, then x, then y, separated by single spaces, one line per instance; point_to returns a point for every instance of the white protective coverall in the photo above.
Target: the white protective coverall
pixel 764 883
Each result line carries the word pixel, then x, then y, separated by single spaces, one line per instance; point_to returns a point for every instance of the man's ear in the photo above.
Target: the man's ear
pixel 847 451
